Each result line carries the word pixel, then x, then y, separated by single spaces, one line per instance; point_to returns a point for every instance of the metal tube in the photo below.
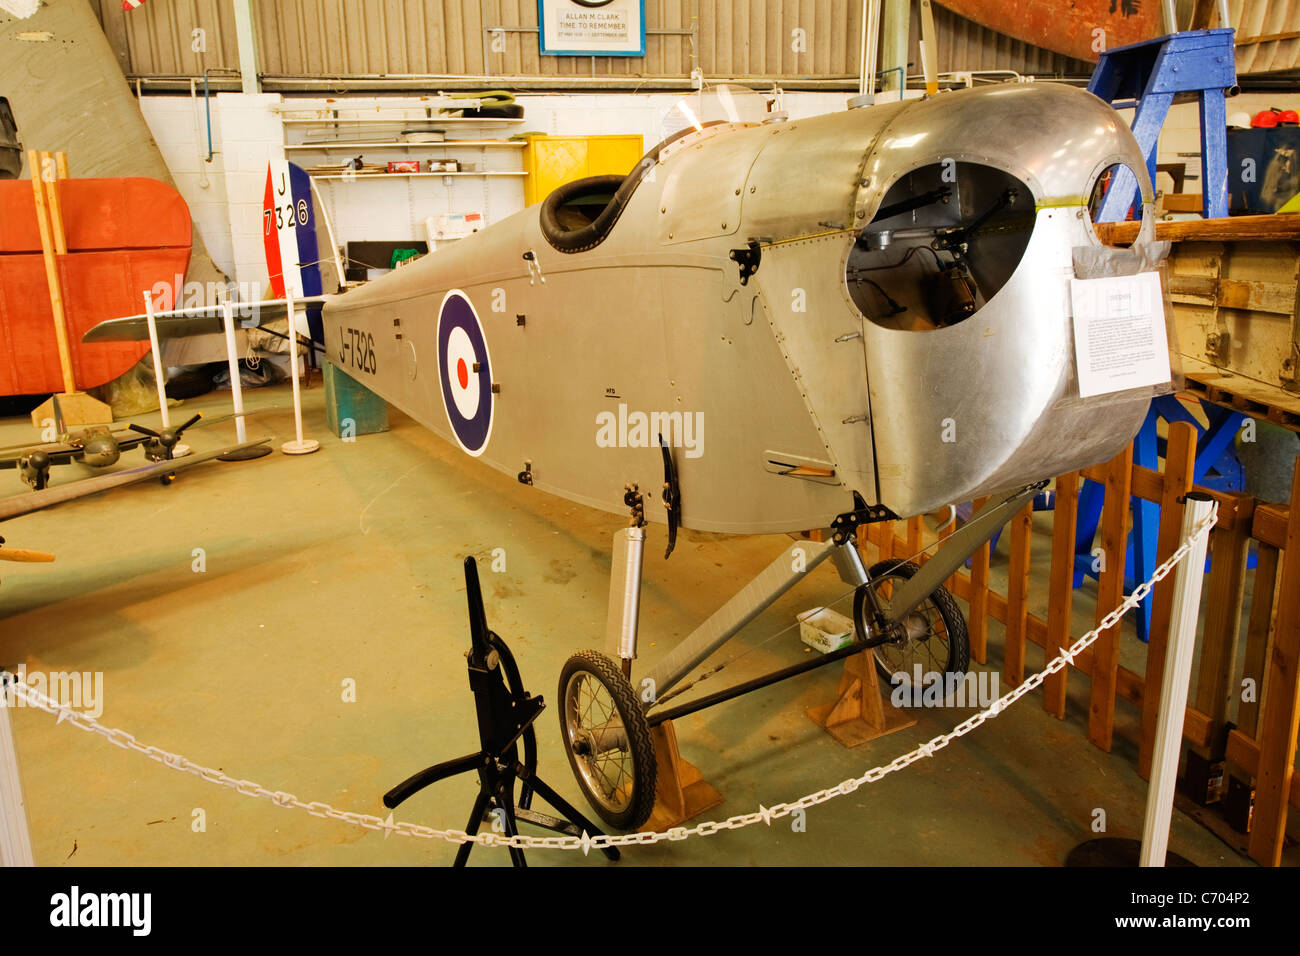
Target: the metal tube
pixel 246 38
pixel 624 614
pixel 159 377
pixel 731 693
pixel 1169 9
pixel 772 582
pixel 869 57
pixel 1173 690
pixel 956 548
pixel 893 47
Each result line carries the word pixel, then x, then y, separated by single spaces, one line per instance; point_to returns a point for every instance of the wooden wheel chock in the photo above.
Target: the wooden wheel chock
pixel 680 789
pixel 859 713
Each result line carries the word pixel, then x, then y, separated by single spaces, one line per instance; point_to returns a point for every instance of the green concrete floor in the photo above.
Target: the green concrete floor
pixel 346 565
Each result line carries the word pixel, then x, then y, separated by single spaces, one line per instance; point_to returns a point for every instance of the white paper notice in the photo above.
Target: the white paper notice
pixel 1119 333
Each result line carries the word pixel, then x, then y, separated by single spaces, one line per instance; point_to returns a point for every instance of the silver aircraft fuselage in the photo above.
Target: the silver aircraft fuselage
pixel 782 394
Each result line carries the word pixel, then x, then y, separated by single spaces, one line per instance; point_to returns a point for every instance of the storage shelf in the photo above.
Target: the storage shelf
pixel 493 172
pixel 441 145
pixel 432 121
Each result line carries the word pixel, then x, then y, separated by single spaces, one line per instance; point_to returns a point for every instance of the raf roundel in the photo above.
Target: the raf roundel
pixel 465 373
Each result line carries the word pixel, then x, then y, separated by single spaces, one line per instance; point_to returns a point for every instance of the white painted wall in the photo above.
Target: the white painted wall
pixel 225 194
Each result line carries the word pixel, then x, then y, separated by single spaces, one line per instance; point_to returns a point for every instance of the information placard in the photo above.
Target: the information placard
pixel 591 27
pixel 1120 341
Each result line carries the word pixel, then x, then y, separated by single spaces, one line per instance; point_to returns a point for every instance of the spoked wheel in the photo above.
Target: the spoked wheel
pixel 934 635
pixel 608 740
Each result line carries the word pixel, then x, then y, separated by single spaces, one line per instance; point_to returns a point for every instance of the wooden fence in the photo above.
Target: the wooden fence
pixel 1263 743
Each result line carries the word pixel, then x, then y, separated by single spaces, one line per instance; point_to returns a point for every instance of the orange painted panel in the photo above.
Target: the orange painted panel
pixel 123 235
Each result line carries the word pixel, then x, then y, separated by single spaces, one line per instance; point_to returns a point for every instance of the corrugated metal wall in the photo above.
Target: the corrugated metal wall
pixel 724 38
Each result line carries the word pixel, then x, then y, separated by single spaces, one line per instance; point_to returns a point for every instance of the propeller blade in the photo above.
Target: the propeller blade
pixel 182 428
pixel 144 431
pixel 28 557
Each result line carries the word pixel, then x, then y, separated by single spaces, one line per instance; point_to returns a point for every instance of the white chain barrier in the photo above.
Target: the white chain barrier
pixel 586 842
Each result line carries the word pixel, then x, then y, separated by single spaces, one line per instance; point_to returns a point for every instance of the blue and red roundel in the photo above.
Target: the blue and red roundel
pixel 465 373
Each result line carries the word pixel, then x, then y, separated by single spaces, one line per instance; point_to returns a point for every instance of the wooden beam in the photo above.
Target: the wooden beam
pixel 1013 658
pixel 52 280
pixel 1180 461
pixel 1259 635
pixel 1279 226
pixel 1060 589
pixel 1225 594
pixel 1110 594
pixel 1277 298
pixel 1244 752
pixel 1281 711
pixel 1270 525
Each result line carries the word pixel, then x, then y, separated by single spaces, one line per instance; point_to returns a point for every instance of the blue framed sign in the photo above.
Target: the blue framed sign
pixel 591 27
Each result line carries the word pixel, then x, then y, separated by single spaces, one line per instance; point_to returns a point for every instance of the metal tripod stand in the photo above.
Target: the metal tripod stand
pixel 506 713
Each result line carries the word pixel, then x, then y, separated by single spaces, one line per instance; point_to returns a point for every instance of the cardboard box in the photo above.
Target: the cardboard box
pixel 404 166
pixel 825 630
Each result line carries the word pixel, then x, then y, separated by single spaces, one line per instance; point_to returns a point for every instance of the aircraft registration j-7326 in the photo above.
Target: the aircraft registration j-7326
pixel 772 327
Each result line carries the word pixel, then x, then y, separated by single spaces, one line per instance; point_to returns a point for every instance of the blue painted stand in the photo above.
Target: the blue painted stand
pixel 1216 467
pixel 1148 75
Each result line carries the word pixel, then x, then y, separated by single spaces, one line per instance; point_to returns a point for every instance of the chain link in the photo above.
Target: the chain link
pixel 585 843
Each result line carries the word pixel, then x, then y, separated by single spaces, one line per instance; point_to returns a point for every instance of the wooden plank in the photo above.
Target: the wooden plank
pixel 1277 298
pixel 1270 525
pixel 1244 752
pixel 1110 594
pixel 1279 226
pixel 977 627
pixel 915 525
pixel 1280 720
pixel 1013 659
pixel 1060 588
pixel 1270 401
pixel 1180 460
pixel 1225 593
pixel 1148 485
pixel 1259 635
pixel 1182 202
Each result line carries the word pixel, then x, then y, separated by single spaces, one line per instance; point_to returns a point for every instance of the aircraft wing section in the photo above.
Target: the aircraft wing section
pixel 200 320
pixel 17 505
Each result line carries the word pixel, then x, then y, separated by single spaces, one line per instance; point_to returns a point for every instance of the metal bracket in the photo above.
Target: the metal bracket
pixel 845 526
pixel 748 260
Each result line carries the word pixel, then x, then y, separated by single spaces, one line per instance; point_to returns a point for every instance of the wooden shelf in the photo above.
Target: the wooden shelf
pixel 491 172
pixel 408 121
pixel 512 144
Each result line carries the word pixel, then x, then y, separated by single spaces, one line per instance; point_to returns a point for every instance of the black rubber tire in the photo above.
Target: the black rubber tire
pixel 940 601
pixel 644 767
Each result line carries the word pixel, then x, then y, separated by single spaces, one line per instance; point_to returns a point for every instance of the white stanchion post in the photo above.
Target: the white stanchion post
pixel 157 359
pixel 1173 691
pixel 237 389
pixel 15 841
pixel 300 445
pixel 232 359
